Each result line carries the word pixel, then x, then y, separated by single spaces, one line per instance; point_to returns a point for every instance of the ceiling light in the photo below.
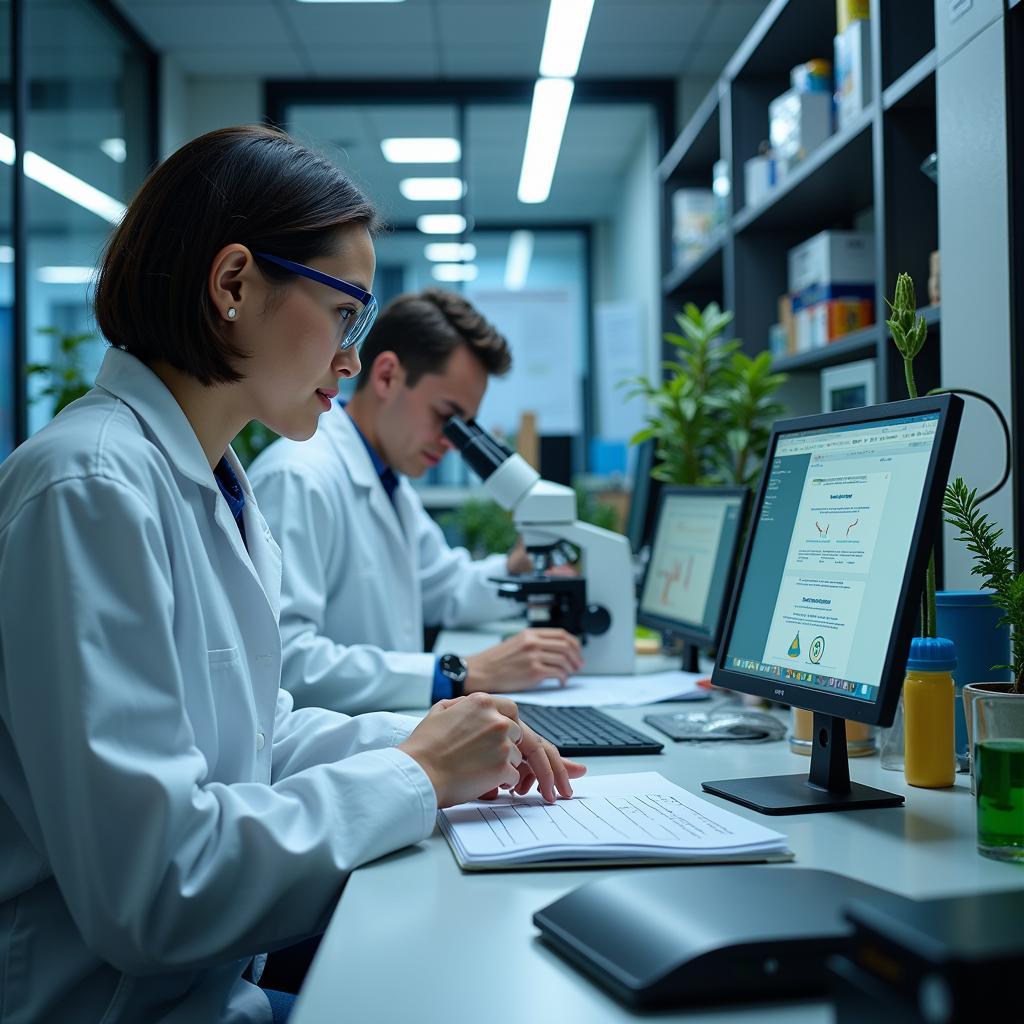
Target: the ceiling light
pixel 449 252
pixel 454 271
pixel 564 36
pixel 6 254
pixel 432 189
pixel 517 263
pixel 351 1
pixel 551 98
pixel 421 151
pixel 66 275
pixel 441 223
pixel 115 149
pixel 63 183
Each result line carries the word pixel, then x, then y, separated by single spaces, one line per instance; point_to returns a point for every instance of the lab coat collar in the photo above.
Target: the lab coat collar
pixel 129 379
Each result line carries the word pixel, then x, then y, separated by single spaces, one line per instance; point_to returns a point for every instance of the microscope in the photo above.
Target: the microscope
pixel 598 605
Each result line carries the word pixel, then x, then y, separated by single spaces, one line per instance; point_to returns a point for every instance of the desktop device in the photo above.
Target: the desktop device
pixel 830 582
pixel 688 578
pixel 679 936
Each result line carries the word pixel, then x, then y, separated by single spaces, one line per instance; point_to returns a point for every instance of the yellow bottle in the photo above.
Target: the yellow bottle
pixel 928 706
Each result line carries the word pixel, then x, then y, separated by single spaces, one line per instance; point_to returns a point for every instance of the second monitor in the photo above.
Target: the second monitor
pixel 688 579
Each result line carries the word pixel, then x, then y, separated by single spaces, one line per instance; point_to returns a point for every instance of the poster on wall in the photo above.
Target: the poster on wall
pixel 545 374
pixel 618 355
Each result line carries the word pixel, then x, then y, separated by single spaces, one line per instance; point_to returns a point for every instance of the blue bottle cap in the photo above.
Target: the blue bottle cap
pixel 931 654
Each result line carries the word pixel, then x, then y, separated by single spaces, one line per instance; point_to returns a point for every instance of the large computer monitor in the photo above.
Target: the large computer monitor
pixel 830 582
pixel 688 578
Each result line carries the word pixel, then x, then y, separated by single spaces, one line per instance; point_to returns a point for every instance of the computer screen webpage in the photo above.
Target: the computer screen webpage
pixel 690 559
pixel 829 554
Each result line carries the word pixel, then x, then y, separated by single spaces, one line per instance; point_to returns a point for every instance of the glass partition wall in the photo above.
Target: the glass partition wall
pixel 88 130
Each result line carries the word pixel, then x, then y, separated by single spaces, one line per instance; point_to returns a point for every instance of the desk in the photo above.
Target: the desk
pixel 415 940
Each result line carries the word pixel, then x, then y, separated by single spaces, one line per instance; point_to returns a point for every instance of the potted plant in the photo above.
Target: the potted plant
pixel 711 415
pixel 64 379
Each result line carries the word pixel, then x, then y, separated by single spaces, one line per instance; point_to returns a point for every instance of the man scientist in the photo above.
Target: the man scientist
pixel 365 567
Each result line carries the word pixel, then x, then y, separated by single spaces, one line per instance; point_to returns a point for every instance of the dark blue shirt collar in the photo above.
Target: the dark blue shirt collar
pixel 388 477
pixel 232 491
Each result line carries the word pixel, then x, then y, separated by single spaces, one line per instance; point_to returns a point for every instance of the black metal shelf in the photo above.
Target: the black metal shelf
pixel 908 86
pixel 859 345
pixel 702 271
pixel 835 180
pixel 698 145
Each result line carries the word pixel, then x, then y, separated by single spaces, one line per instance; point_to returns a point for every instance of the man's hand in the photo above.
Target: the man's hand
pixel 477 745
pixel 524 660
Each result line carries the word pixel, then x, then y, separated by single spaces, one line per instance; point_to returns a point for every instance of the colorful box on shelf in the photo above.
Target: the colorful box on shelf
pixel 693 222
pixel 759 179
pixel 853 71
pixel 850 11
pixel 825 322
pixel 832 256
pixel 818 293
pixel 798 123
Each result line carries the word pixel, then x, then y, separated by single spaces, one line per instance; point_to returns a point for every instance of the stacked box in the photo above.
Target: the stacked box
pixel 798 123
pixel 693 220
pixel 853 71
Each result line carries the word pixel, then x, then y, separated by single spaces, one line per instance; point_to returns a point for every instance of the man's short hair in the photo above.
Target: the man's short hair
pixel 253 185
pixel 424 328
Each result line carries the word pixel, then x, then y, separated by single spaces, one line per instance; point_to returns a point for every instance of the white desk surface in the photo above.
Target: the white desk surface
pixel 414 939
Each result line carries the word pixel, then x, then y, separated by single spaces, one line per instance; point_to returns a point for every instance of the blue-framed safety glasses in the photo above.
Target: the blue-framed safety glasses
pixel 353 330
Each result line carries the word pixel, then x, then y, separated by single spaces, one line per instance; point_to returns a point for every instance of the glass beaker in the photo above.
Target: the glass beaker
pixel 998 735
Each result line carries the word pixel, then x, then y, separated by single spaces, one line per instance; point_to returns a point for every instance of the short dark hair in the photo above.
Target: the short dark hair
pixel 424 328
pixel 253 185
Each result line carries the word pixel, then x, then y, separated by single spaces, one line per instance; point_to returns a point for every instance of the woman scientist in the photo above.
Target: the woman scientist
pixel 165 816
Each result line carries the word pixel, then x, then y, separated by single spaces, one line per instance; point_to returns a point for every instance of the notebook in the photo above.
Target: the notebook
pixel 631 818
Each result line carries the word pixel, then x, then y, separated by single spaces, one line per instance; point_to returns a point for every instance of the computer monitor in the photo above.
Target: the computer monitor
pixel 643 501
pixel 689 576
pixel 830 583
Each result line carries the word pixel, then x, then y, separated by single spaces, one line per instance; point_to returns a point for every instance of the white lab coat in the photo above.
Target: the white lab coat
pixel 164 814
pixel 362 576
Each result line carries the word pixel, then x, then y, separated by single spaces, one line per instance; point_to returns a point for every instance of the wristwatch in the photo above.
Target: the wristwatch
pixel 455 670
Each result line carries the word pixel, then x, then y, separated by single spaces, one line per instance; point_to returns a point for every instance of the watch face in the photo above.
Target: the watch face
pixel 454 667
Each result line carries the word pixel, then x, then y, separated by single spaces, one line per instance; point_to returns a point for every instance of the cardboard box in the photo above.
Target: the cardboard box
pixel 798 123
pixel 832 258
pixel 759 179
pixel 821 324
pixel 853 71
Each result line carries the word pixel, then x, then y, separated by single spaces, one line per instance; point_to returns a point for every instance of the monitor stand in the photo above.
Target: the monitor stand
pixel 690 652
pixel 826 788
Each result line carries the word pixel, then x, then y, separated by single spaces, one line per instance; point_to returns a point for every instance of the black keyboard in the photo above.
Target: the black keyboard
pixel 583 731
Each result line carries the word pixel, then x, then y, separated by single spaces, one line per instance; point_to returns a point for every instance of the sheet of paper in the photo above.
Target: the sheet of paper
pixel 607 814
pixel 625 691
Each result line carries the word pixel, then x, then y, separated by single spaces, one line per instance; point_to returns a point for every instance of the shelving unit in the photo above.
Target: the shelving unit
pixel 866 176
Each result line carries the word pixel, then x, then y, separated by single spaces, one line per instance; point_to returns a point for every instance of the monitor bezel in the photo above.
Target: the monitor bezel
pixel 926 529
pixel 699 637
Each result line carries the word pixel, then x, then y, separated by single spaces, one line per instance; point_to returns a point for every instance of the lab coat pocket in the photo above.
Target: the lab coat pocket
pixel 220 657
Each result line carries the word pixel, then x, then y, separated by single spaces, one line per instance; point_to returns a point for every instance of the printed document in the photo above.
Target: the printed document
pixel 629 818
pixel 624 691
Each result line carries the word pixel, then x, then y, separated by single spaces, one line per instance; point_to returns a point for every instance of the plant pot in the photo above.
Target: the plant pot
pixel 971 692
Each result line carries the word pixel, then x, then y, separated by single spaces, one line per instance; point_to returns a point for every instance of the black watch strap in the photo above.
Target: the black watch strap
pixel 455 670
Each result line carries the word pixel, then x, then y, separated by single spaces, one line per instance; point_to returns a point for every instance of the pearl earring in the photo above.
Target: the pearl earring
pixel 232 312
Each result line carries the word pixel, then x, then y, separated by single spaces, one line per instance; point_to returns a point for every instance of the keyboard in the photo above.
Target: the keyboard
pixel 586 731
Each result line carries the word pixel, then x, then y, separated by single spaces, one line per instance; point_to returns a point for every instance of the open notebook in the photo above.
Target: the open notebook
pixel 635 818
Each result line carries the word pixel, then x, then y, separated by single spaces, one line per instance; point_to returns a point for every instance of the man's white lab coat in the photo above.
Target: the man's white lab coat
pixel 362 576
pixel 164 813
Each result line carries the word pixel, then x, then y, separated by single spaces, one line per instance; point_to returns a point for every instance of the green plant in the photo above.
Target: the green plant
pixel 483 527
pixel 251 440
pixel 64 379
pixel 711 415
pixel 994 563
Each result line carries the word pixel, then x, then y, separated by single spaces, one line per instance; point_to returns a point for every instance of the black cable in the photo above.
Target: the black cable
pixel 1002 422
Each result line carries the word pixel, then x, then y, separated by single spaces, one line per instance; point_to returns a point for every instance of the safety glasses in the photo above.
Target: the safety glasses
pixel 353 330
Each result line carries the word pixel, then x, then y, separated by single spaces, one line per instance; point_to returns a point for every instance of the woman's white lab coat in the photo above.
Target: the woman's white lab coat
pixel 362 575
pixel 164 813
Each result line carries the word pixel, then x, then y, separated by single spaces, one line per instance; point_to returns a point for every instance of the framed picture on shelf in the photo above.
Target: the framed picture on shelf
pixel 848 387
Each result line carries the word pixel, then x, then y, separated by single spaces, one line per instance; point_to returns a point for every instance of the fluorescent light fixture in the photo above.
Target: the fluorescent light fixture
pixel 66 275
pixel 351 1
pixel 551 99
pixel 432 189
pixel 517 263
pixel 449 252
pixel 563 38
pixel 6 254
pixel 421 151
pixel 115 149
pixel 441 223
pixel 454 271
pixel 63 183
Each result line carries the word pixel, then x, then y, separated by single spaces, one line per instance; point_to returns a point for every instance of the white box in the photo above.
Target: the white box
pixel 853 71
pixel 832 258
pixel 693 220
pixel 798 123
pixel 759 179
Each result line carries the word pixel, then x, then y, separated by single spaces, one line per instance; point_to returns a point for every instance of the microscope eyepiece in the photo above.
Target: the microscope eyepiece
pixel 483 454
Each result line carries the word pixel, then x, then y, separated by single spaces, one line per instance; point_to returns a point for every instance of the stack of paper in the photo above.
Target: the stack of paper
pixel 621 819
pixel 626 691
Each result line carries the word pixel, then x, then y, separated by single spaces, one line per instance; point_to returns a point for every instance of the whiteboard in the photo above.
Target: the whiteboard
pixel 545 374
